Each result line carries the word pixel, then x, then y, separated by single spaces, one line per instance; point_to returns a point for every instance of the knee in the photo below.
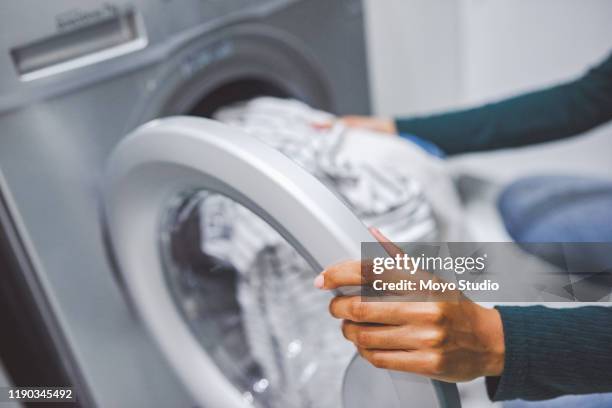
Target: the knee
pixel 518 202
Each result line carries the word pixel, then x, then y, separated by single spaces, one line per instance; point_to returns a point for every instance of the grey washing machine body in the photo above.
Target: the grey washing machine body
pixel 75 78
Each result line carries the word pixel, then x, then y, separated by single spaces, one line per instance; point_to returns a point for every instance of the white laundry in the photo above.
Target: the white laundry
pixel 388 182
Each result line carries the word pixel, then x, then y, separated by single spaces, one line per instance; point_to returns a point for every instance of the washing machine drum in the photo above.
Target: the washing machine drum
pixel 217 238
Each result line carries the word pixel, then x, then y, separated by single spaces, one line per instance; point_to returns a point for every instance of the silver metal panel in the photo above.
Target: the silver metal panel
pixel 166 24
pixel 58 131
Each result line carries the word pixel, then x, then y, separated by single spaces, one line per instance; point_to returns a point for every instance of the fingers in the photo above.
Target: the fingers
pixel 385 337
pixel 394 250
pixel 376 124
pixel 420 361
pixel 396 313
pixel 357 121
pixel 322 125
pixel 382 125
pixel 342 274
pixel 349 273
pixel 352 308
pixel 389 246
pixel 349 121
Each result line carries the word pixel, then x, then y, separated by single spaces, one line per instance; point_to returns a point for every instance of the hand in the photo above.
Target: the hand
pixel 382 125
pixel 447 340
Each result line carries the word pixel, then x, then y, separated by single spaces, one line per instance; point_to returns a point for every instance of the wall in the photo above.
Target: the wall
pixel 413 53
pixel 512 46
pixel 427 55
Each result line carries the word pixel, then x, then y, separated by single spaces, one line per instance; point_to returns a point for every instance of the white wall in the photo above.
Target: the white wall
pixel 413 54
pixel 427 55
pixel 512 46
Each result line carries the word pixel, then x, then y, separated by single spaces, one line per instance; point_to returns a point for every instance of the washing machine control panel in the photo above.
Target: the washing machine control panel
pixel 47 43
pixel 80 38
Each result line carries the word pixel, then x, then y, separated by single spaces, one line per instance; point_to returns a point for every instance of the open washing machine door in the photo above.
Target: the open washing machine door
pixel 166 185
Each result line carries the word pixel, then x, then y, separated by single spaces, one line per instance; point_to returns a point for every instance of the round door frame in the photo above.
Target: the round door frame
pixel 169 156
pixel 233 53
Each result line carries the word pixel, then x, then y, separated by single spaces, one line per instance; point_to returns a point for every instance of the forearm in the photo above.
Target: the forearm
pixel 553 352
pixel 536 117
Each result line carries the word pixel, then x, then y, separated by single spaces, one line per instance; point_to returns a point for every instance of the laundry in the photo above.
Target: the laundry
pixel 299 348
pixel 381 193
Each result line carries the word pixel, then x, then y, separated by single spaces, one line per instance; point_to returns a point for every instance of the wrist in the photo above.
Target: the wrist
pixel 391 127
pixel 491 333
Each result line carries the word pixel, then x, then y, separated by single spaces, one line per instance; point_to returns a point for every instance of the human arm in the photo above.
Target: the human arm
pixel 554 352
pixel 531 352
pixel 554 113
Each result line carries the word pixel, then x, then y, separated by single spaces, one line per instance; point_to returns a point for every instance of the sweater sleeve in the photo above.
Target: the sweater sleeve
pixel 554 113
pixel 554 352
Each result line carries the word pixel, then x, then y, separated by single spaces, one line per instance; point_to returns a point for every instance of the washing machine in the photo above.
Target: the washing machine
pixel 100 230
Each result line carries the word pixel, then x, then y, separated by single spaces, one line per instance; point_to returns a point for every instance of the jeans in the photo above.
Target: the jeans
pixel 569 401
pixel 561 209
pixel 558 209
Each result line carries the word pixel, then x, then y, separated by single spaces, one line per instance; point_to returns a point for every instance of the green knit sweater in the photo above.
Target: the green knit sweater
pixel 554 352
pixel 554 113
pixel 549 352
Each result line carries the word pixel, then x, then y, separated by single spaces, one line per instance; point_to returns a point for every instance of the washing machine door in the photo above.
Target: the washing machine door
pixel 239 331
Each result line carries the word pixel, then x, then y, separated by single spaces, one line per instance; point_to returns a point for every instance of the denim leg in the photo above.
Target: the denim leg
pixel 569 401
pixel 560 209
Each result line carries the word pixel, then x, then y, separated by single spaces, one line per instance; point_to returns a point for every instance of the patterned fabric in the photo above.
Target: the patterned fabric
pixel 381 195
